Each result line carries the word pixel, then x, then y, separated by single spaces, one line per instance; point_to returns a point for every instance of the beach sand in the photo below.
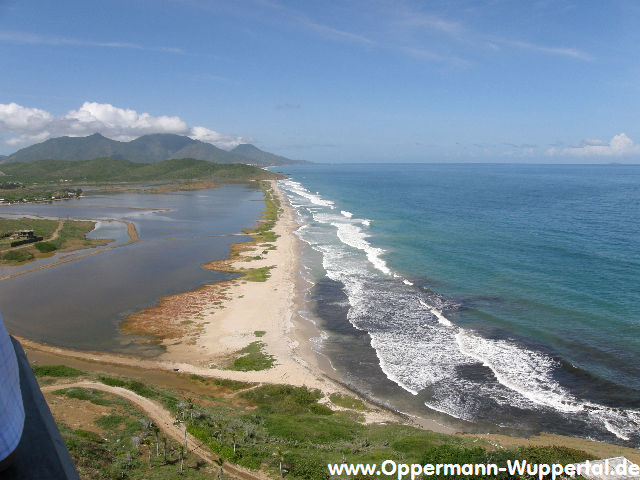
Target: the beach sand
pixel 227 317
pixel 203 330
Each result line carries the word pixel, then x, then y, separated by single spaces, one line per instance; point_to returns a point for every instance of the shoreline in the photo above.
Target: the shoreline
pixel 230 312
pixel 272 306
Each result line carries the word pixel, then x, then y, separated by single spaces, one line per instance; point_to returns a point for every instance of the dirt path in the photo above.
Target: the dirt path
pixel 56 232
pixel 164 420
pixel 133 237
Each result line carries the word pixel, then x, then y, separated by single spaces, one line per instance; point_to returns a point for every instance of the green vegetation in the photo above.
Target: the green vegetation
pixel 60 371
pixel 96 397
pixel 252 358
pixel 232 385
pixel 259 333
pixel 71 236
pixel 34 193
pixel 263 232
pixel 133 385
pixel 145 149
pixel 73 230
pixel 45 247
pixel 347 401
pixel 266 427
pixel 256 274
pixel 101 170
pixel 130 446
pixel 17 256
pixel 41 228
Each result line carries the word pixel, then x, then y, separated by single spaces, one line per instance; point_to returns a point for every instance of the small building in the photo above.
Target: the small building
pixel 25 234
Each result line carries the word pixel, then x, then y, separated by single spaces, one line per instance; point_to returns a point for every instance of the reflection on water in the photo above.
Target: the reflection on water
pixel 80 304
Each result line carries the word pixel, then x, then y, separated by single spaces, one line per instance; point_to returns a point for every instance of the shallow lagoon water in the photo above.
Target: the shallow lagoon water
pixel 81 303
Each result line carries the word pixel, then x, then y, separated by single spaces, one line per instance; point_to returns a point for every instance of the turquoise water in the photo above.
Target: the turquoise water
pixel 489 291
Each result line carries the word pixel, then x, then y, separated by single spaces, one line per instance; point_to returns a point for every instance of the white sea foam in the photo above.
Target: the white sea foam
pixel 366 222
pixel 353 236
pixel 346 214
pixel 527 372
pixel 298 189
pixel 437 313
pixel 418 347
pixel 407 282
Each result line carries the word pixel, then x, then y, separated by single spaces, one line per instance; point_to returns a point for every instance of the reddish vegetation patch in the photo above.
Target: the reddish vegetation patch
pixel 176 316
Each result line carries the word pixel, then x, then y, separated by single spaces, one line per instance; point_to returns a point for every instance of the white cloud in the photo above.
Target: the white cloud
pixel 27 38
pixel 32 125
pixel 561 51
pixel 218 139
pixel 16 117
pixel 619 146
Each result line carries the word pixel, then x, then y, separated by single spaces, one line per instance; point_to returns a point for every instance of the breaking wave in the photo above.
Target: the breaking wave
pixel 467 374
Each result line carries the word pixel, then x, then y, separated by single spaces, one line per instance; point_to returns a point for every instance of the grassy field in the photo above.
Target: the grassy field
pixel 111 170
pixel 71 236
pixel 262 427
pixel 252 357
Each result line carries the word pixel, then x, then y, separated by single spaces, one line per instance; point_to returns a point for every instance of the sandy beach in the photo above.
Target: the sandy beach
pixel 226 317
pixel 204 329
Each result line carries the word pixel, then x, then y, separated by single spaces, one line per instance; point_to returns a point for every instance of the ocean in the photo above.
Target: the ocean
pixel 488 296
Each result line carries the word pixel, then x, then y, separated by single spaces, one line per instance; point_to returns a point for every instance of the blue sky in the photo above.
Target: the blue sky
pixel 495 80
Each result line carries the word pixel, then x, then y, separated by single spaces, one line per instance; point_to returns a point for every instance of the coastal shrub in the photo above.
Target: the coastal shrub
pixel 252 358
pixel 283 398
pixel 547 455
pixel 311 428
pixel 259 333
pixel 257 274
pixel 45 247
pixel 90 456
pixel 109 422
pixel 453 454
pixel 307 468
pixel 55 371
pixel 93 436
pixel 232 385
pixel 17 256
pixel 320 409
pixel 133 385
pixel 347 401
pixel 94 396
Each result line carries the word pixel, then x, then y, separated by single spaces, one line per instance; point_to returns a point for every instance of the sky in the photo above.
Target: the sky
pixel 331 81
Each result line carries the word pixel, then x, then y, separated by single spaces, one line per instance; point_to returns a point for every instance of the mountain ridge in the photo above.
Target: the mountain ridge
pixel 150 148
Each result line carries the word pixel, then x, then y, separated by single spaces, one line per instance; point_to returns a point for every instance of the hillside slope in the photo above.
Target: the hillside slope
pixel 145 149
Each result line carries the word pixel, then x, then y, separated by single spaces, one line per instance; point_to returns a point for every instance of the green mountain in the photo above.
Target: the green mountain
pixel 146 149
pixel 260 157
pixel 117 170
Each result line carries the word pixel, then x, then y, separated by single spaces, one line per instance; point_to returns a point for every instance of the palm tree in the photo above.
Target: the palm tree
pixel 280 454
pixel 156 431
pixel 181 453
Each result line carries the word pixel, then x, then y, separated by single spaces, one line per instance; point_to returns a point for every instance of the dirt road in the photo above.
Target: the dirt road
pixel 165 421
